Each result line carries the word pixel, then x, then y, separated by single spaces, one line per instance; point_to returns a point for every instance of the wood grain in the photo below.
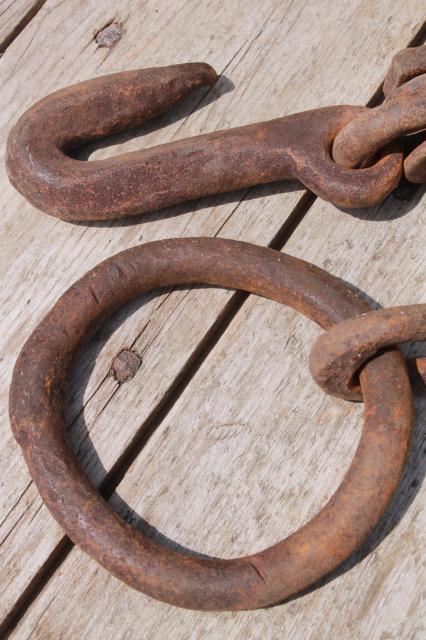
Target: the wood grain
pixel 14 17
pixel 281 57
pixel 252 449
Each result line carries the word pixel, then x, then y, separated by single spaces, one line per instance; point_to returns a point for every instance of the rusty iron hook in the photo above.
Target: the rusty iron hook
pixel 297 146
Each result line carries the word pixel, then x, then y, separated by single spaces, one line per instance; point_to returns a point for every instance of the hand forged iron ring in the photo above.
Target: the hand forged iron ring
pixel 36 408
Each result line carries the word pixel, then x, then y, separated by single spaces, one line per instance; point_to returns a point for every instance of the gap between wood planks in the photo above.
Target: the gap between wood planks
pixel 18 28
pixel 171 396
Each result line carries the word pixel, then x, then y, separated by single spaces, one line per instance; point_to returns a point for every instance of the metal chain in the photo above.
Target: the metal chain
pixel 403 111
pixel 337 356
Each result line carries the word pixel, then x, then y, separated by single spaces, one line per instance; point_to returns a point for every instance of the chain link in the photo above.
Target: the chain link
pixel 403 111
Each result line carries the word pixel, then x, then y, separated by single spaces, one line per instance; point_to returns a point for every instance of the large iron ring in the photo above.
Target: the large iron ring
pixel 36 409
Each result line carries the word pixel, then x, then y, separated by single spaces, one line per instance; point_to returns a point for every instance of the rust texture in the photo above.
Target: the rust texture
pixel 125 365
pixel 339 353
pixel 109 35
pixel 404 111
pixel 406 64
pixel 419 366
pixel 293 147
pixel 37 399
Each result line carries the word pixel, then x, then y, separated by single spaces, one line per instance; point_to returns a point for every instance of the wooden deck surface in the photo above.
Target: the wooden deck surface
pixel 222 442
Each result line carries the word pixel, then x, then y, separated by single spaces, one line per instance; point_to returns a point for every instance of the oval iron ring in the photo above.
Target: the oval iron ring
pixel 36 406
pixel 294 147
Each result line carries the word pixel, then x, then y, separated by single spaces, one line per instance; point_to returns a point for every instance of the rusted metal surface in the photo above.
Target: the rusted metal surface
pixel 125 365
pixel 406 64
pixel 339 353
pixel 296 146
pixel 404 111
pixel 36 409
pixel 418 365
pixel 415 164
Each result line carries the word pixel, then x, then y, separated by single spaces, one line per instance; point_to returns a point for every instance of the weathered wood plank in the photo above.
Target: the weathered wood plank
pixel 252 449
pixel 72 248
pixel 262 63
pixel 14 16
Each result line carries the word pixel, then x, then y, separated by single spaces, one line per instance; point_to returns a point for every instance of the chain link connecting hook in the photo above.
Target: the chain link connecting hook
pixel 403 111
